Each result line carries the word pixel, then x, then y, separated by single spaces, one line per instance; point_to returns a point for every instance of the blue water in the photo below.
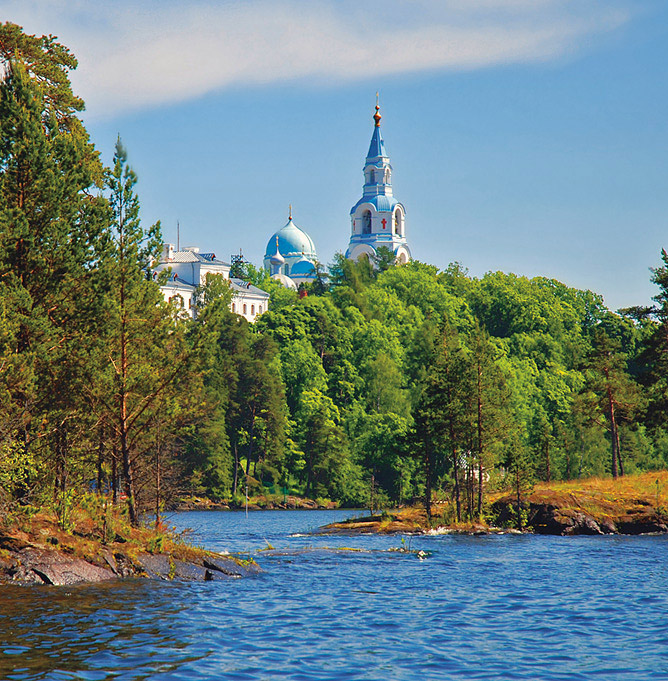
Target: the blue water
pixel 497 607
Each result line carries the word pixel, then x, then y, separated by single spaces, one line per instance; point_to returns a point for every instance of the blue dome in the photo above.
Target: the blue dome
pixel 303 268
pixel 381 203
pixel 292 242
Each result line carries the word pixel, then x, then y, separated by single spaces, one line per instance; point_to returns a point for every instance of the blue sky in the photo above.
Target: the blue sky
pixel 528 136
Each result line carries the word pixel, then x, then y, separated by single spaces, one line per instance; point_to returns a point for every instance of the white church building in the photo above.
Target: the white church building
pixel 290 255
pixel 377 219
pixel 188 270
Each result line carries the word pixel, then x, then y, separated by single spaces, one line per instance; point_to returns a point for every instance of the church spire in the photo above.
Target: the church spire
pixel 378 219
pixel 377 147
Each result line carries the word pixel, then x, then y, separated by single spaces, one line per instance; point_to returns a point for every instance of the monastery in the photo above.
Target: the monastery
pixel 376 220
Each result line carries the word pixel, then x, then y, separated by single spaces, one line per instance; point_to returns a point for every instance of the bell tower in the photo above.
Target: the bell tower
pixel 378 219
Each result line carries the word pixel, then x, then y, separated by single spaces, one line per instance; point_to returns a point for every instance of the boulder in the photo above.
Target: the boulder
pixel 53 567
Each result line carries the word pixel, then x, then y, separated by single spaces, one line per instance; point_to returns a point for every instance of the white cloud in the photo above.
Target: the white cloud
pixel 136 55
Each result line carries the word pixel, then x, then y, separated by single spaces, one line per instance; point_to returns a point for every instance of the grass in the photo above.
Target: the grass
pixel 96 533
pixel 604 498
pixel 627 499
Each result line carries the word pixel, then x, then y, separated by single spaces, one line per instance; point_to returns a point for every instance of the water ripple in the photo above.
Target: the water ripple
pixel 507 607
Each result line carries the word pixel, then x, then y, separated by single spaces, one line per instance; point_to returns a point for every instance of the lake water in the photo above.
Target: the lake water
pixel 496 607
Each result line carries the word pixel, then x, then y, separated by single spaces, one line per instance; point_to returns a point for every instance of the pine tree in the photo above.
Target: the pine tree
pixel 51 237
pixel 655 355
pixel 490 397
pixel 613 393
pixel 145 344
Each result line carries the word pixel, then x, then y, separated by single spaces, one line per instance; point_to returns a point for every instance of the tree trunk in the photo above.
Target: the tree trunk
pixel 100 460
pixel 548 472
pixel 114 475
pixel 519 497
pixel 128 480
pixel 428 483
pixel 235 481
pixel 480 464
pixel 619 454
pixel 614 440
pixel 157 482
pixel 455 468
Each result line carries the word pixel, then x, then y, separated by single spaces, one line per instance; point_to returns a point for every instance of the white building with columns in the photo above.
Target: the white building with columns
pixel 378 219
pixel 188 270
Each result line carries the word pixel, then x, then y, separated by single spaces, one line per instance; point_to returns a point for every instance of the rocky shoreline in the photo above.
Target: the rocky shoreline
pixel 31 563
pixel 37 549
pixel 591 509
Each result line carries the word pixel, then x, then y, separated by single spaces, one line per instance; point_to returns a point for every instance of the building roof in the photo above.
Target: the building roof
pixel 175 283
pixel 292 241
pixel 192 256
pixel 380 202
pixel 376 148
pixel 303 268
pixel 285 280
pixel 241 286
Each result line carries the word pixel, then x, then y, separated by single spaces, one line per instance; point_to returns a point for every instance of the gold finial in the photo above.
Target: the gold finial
pixel 290 212
pixel 377 116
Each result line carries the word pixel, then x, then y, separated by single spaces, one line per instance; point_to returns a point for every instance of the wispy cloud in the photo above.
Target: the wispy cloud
pixel 136 55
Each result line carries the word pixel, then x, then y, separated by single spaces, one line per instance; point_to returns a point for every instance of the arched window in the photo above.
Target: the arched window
pixel 397 222
pixel 259 309
pixel 366 222
pixel 252 309
pixel 234 307
pixel 244 308
pixel 372 176
pixel 387 176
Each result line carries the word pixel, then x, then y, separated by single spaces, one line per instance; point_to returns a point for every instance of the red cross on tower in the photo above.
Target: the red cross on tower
pixel 384 222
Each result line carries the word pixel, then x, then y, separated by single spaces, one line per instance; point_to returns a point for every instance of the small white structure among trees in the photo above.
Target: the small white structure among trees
pixel 187 271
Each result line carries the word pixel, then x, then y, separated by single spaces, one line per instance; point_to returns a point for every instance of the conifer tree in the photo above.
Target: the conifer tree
pixel 613 393
pixel 51 237
pixel 656 353
pixel 146 350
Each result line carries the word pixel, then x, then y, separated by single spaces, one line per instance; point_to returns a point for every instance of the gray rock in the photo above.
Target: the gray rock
pixel 188 572
pixel 52 567
pixel 227 566
pixel 156 566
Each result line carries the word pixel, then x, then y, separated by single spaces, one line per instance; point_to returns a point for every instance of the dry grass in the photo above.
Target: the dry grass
pixel 88 537
pixel 627 499
pixel 622 499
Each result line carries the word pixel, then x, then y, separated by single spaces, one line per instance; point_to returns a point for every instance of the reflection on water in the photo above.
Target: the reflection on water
pixel 507 607
pixel 84 631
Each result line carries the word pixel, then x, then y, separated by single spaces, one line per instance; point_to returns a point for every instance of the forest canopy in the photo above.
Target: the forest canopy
pixel 381 384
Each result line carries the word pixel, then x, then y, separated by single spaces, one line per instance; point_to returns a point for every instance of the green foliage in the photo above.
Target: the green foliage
pixel 375 384
pixel 17 468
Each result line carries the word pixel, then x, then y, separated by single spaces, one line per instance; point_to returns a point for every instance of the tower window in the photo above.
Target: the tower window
pixel 366 222
pixel 397 222
pixel 372 176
